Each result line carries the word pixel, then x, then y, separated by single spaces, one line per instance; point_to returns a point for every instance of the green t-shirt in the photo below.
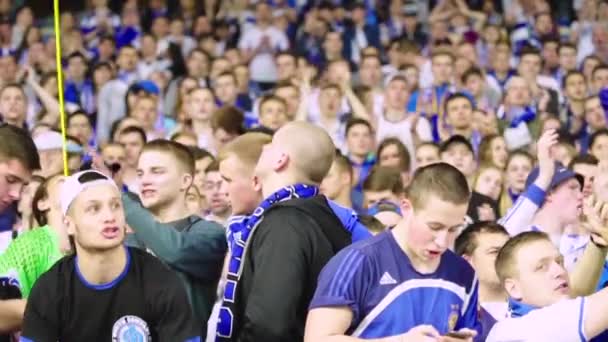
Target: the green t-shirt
pixel 28 257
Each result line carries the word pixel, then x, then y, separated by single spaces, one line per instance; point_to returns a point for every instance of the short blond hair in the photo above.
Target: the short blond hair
pixel 247 148
pixel 507 256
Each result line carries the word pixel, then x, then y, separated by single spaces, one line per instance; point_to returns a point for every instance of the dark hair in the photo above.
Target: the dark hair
pixel 135 130
pixel 549 39
pixel 357 121
pixel 199 153
pixel 456 140
pixel 472 71
pixel 227 74
pixel 529 50
pixel 383 178
pixel 566 45
pixel 17 144
pixel 583 159
pixel 520 153
pixel 596 135
pixel 180 152
pixel 268 98
pixel 214 166
pixel 285 84
pixel 107 37
pixel 77 54
pixel 570 74
pixel 41 193
pixel 79 112
pixel 598 69
pixel 466 242
pixel 405 160
pixel 453 97
pixel 201 51
pixel 228 118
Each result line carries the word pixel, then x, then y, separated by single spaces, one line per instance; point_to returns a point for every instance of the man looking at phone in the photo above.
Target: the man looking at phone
pixel 404 284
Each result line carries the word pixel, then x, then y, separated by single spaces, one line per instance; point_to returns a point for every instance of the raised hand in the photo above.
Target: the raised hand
pixel 595 218
pixel 546 160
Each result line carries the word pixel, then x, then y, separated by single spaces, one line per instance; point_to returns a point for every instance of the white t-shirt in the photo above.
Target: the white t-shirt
pixel 560 322
pixel 498 310
pixel 402 131
pixel 262 66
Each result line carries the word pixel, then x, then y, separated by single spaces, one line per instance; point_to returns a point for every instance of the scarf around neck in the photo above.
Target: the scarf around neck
pixel 240 229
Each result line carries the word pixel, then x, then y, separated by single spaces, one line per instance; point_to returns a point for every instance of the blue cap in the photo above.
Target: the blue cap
pixel 149 87
pixel 382 206
pixel 560 175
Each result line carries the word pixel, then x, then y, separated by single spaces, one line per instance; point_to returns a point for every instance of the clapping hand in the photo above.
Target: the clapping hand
pixel 595 219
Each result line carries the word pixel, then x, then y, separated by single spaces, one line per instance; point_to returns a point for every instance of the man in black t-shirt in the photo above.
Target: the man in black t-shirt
pixel 106 291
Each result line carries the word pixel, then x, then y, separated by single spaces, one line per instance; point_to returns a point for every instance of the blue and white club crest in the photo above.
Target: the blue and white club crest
pixel 130 329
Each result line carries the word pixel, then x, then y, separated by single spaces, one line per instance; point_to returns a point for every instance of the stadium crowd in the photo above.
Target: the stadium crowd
pixel 293 170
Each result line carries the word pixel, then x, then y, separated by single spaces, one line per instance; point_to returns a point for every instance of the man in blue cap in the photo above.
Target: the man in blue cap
pixel 553 201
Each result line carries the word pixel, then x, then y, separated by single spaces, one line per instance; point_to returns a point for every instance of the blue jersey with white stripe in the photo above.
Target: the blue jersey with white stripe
pixel 387 296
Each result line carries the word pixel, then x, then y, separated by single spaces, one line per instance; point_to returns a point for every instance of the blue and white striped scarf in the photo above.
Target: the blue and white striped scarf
pixel 240 228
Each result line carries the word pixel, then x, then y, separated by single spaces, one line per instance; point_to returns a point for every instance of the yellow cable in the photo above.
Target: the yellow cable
pixel 66 171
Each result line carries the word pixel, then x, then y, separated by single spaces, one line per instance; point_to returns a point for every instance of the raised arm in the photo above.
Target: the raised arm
pixel 443 11
pixel 479 18
pixel 356 105
pixel 48 101
pixel 521 214
pixel 305 91
pixel 198 251
pixel 588 270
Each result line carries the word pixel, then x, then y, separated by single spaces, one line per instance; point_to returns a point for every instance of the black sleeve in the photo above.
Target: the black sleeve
pixel 280 261
pixel 175 318
pixel 41 321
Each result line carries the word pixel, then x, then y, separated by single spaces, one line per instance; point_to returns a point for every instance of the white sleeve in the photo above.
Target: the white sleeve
pixel 519 218
pixel 561 322
pixel 423 129
pixel 245 42
pixel 283 41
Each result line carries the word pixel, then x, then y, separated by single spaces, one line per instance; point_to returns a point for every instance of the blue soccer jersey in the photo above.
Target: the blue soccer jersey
pixel 387 296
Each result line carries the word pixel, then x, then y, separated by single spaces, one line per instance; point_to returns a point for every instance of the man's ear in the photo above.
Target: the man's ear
pixel 513 289
pixel 406 206
pixel 257 185
pixel 281 163
pixel 186 181
pixel 43 205
pixel 69 225
pixel 346 179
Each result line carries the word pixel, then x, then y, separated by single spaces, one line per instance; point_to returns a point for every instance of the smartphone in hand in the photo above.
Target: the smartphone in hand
pixel 463 335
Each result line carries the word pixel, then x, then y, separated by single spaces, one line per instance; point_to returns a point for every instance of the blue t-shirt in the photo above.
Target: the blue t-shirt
pixel 350 221
pixel 387 296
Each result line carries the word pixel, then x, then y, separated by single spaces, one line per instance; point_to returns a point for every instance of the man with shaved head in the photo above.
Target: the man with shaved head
pixel 277 252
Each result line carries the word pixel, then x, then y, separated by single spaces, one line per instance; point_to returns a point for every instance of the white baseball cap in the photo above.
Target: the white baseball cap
pixel 77 183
